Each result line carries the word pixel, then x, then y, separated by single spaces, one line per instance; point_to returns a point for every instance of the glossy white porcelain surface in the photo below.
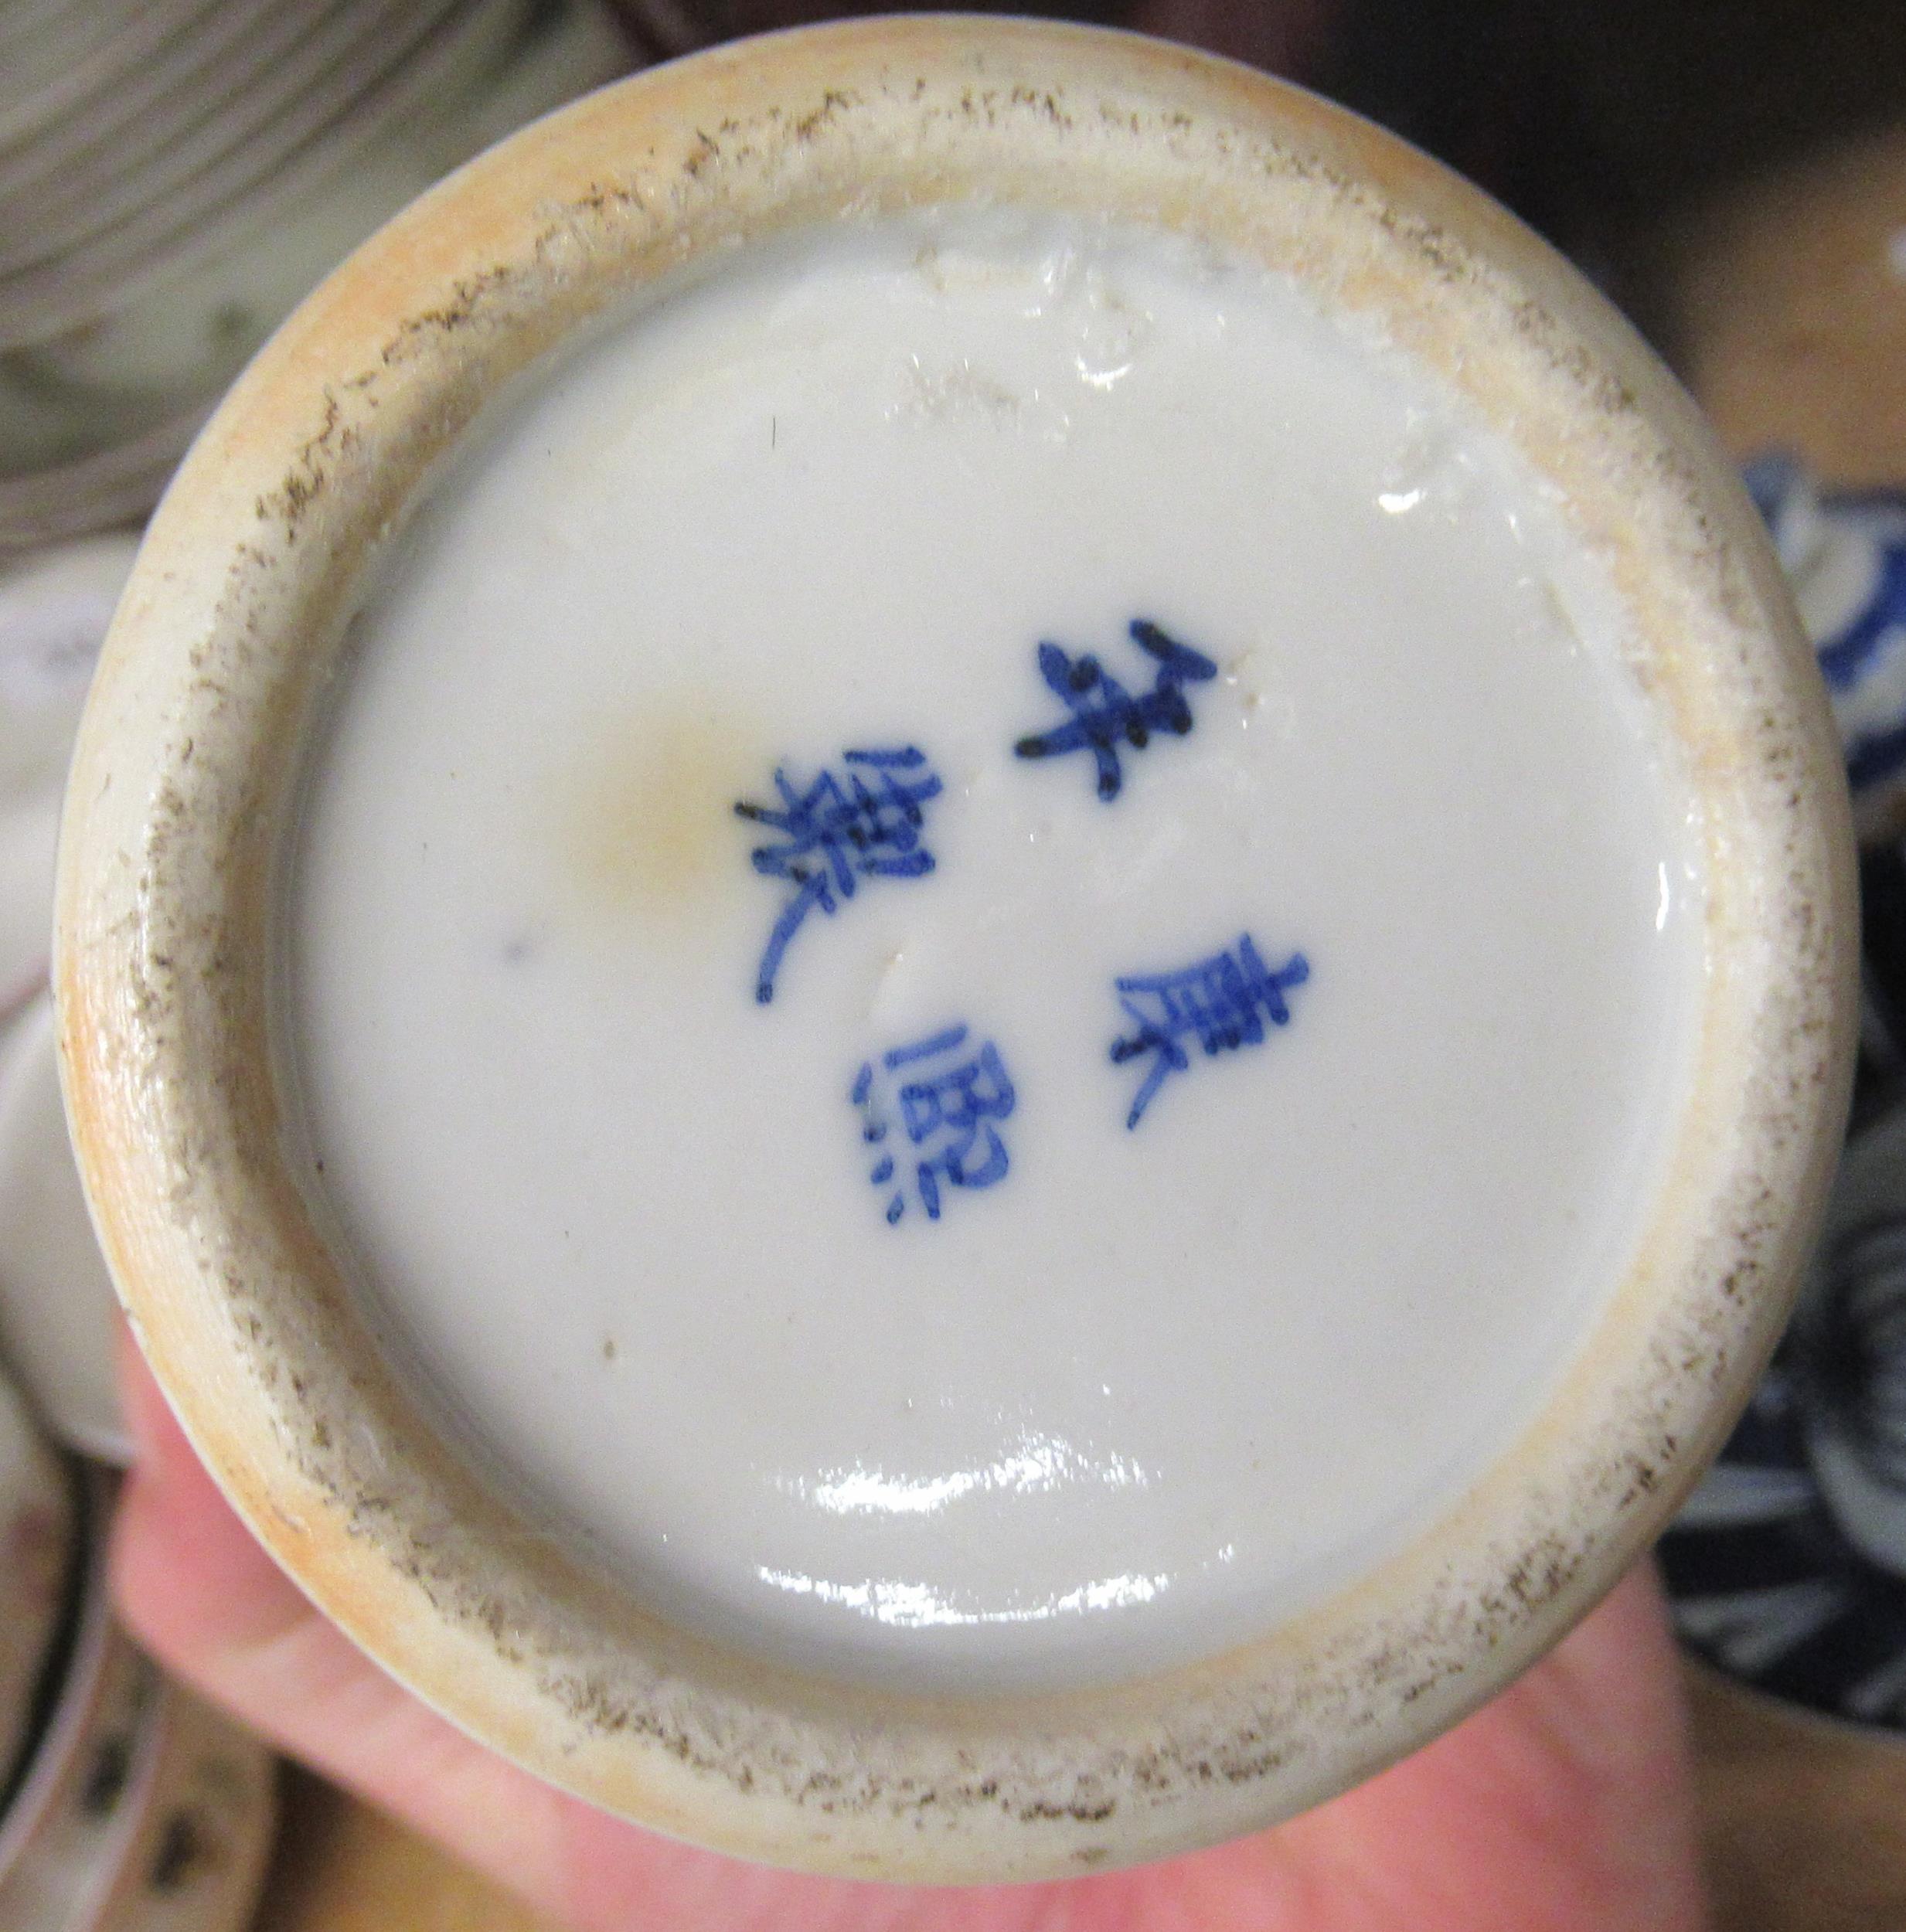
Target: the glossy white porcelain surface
pixel 1169 1351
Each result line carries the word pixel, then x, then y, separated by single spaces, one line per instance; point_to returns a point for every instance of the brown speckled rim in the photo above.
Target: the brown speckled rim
pixel 178 797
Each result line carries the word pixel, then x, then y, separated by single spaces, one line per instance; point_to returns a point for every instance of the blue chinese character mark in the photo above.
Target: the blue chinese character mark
pixel 950 1102
pixel 1223 1002
pixel 1103 713
pixel 868 825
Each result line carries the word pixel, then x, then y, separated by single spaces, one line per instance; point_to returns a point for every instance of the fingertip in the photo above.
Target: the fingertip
pixel 167 1482
pixel 157 1438
pixel 190 1579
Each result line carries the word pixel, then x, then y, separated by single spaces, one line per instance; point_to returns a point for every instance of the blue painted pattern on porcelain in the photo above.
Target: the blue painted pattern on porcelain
pixel 869 823
pixel 1104 714
pixel 931 1109
pixel 948 1101
pixel 1221 1003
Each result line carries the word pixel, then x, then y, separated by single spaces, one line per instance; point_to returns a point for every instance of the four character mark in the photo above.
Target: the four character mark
pixel 867 820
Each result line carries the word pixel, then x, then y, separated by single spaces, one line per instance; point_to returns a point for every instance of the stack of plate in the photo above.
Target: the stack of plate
pixel 126 1805
pixel 174 175
pixel 134 1808
pixel 56 1329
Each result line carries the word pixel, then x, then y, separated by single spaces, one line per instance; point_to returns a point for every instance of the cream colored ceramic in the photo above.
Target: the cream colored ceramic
pixel 179 803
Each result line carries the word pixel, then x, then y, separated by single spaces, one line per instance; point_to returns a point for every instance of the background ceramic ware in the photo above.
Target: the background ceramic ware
pixel 1787 1566
pixel 62 1835
pixel 56 1303
pixel 37 1529
pixel 203 1802
pixel 174 177
pixel 57 1326
pixel 54 609
pixel 241 1307
pixel 141 1810
pixel 1844 553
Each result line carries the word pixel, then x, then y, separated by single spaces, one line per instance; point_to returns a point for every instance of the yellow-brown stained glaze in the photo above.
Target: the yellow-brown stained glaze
pixel 644 825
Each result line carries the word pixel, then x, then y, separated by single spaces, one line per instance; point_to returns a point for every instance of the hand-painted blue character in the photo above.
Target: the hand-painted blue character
pixel 1223 1002
pixel 870 825
pixel 1103 713
pixel 950 1102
